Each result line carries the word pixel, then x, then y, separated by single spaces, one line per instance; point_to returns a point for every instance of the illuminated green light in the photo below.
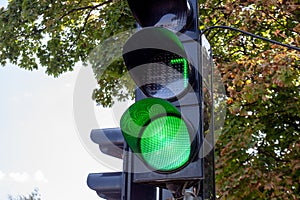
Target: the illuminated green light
pixel 184 62
pixel 154 130
pixel 165 143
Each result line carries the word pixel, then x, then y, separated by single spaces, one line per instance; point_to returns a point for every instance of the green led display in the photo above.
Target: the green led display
pixel 184 63
pixel 166 77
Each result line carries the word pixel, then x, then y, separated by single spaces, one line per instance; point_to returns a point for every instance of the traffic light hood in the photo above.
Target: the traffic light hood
pixel 164 13
pixel 148 41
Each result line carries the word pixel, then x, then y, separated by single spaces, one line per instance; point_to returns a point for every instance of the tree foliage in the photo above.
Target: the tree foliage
pixel 34 195
pixel 57 34
pixel 258 154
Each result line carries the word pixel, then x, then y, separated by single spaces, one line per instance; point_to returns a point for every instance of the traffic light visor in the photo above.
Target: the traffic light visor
pixel 161 13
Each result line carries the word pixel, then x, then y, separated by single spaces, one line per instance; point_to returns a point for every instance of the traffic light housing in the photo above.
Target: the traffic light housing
pixel 107 185
pixel 116 185
pixel 168 103
pixel 165 127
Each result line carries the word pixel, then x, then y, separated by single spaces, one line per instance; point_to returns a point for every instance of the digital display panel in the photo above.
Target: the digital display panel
pixel 166 76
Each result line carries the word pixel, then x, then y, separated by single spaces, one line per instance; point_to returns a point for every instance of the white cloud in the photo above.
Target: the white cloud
pixel 2 175
pixel 40 177
pixel 19 177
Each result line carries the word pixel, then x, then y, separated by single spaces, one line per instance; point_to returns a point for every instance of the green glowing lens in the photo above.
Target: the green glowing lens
pixel 165 143
pixel 154 130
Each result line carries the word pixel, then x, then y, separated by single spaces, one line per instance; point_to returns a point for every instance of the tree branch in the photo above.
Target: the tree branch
pixel 86 7
pixel 4 11
pixel 83 27
pixel 275 19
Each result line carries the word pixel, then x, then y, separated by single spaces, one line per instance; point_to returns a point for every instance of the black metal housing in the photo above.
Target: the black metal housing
pixel 110 140
pixel 107 185
pixel 138 51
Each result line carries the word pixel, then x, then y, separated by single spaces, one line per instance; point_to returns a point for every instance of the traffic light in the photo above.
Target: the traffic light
pixel 164 129
pixel 162 135
pixel 155 130
pixel 108 185
pixel 116 185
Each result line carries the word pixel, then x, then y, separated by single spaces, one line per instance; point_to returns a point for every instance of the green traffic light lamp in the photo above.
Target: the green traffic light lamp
pixel 157 133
